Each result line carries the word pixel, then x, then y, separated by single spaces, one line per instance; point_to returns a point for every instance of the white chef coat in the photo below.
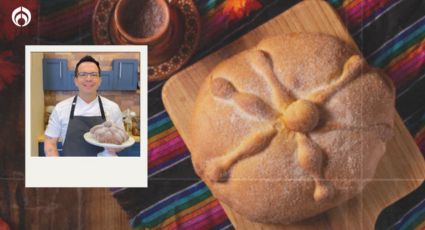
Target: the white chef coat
pixel 59 119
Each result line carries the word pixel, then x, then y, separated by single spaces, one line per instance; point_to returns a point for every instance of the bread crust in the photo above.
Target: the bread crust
pixel 291 127
pixel 108 132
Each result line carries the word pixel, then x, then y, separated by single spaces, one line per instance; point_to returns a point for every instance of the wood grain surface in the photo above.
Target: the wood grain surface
pixel 401 170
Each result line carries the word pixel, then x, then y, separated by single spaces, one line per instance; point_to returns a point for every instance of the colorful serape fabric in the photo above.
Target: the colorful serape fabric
pixel 191 208
pixel 390 33
pixel 359 13
pixel 166 147
pixel 400 55
pixel 408 213
pixel 399 50
pixel 414 219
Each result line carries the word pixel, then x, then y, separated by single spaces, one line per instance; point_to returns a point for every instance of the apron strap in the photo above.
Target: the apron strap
pixel 102 112
pixel 74 102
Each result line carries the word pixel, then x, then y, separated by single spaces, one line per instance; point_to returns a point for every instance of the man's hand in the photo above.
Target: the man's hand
pixel 50 146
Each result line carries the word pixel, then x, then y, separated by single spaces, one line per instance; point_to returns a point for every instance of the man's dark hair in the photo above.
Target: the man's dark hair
pixel 86 58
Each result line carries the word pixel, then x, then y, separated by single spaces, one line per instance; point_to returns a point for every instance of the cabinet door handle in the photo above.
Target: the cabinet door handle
pixel 60 70
pixel 120 70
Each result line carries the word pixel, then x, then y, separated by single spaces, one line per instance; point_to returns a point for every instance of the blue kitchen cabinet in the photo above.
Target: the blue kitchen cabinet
pixel 71 75
pixel 107 81
pixel 55 74
pixel 124 74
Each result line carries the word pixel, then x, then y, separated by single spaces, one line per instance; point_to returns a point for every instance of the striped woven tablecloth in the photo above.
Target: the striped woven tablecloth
pixel 390 33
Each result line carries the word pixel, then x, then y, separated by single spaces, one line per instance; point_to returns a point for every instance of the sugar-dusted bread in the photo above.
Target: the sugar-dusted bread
pixel 110 133
pixel 291 127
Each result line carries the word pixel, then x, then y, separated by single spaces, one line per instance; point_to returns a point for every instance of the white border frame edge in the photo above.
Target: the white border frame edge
pixel 87 171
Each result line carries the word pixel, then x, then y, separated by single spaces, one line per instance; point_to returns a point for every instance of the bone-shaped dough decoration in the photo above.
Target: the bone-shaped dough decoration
pixel 297 115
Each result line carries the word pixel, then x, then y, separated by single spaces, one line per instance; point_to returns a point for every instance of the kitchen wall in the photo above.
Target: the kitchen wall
pixel 125 99
pixel 37 102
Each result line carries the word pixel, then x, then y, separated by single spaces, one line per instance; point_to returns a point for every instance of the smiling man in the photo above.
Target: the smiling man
pixel 75 116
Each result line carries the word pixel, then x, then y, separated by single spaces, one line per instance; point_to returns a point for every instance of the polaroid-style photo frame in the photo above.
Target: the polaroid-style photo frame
pixel 49 79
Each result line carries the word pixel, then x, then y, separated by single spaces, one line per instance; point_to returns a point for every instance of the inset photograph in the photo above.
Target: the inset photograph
pixel 86 101
pixel 91 104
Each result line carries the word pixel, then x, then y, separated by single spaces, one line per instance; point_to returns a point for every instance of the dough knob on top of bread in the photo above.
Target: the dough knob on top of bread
pixel 301 116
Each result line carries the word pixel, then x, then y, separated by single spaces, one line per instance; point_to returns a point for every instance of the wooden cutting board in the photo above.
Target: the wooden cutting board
pixel 401 170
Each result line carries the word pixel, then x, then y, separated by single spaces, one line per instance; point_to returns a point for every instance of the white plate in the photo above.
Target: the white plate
pixel 90 139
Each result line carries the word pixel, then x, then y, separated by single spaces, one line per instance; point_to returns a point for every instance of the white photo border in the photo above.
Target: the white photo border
pixel 87 171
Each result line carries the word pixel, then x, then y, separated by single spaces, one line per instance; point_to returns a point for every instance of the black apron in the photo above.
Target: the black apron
pixel 75 145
